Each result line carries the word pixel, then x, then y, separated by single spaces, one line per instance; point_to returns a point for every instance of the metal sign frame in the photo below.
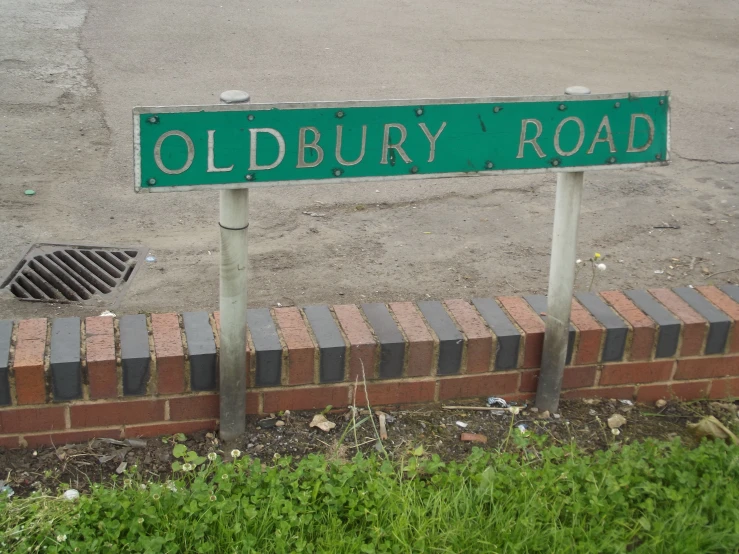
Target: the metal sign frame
pixel 138 111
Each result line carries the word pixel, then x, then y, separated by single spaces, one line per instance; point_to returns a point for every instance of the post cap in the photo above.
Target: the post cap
pixel 234 97
pixel 577 90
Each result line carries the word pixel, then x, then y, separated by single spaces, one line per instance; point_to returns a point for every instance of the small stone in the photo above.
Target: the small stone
pixel 279 423
pixel 616 421
pixel 71 495
pixel 557 416
pixel 661 403
pixel 544 414
pixel 534 410
pixel 473 437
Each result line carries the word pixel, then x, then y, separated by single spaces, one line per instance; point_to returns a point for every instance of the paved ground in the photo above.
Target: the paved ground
pixel 70 72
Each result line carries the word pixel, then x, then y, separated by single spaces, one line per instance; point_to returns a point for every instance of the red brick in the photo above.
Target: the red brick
pixel 420 340
pixel 625 393
pixel 159 429
pixel 9 442
pixel 100 356
pixel 725 388
pixel 701 368
pixel 590 334
pixel 724 303
pixel 305 398
pixel 473 437
pixel 300 348
pixel 473 386
pixel 362 346
pixel 639 372
pixel 28 363
pixel 107 414
pixel 694 327
pixel 651 393
pixel 643 330
pixel 217 319
pixel 690 391
pixel 71 437
pixel 203 406
pixel 532 326
pixel 170 355
pixel 479 338
pixel 408 392
pixel 29 420
pixel 575 377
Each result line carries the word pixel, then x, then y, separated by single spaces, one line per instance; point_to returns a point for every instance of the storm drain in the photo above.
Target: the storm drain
pixel 68 273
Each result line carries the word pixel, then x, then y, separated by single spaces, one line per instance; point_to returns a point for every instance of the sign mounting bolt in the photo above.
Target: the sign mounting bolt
pixel 151 182
pixel 658 156
pixel 250 117
pixel 661 102
pixel 414 169
pixel 555 162
pixel 611 160
pixel 489 165
pixel 337 172
pixel 419 111
pixel 562 107
pixel 153 120
pixel 617 105
pixel 339 114
pixel 496 109
pixel 249 176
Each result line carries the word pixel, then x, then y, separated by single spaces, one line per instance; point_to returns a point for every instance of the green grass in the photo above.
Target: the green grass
pixel 647 497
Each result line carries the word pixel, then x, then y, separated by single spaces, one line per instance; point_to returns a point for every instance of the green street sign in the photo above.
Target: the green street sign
pixel 251 145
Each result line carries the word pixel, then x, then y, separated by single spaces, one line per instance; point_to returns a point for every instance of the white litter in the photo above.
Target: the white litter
pixel 461 424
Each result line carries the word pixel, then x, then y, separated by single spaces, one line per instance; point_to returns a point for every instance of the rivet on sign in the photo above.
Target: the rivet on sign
pixel 611 160
pixel 562 107
pixel 496 109
pixel 661 102
pixel 250 117
pixel 555 162
pixel 249 176
pixel 658 156
pixel 339 114
pixel 337 172
pixel 419 111
pixel 489 165
pixel 152 181
pixel 414 169
pixel 153 119
pixel 617 105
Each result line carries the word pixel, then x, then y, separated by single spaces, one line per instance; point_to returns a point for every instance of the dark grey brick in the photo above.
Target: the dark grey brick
pixel 732 291
pixel 539 303
pixel 392 343
pixel 451 340
pixel 616 328
pixel 64 358
pixel 330 342
pixel 134 354
pixel 508 337
pixel 267 346
pixel 201 349
pixel 668 332
pixel 6 332
pixel 719 323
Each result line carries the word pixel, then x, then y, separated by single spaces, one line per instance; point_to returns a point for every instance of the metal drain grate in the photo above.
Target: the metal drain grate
pixel 68 273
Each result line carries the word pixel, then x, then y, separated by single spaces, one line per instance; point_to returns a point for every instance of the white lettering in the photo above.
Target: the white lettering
pixel 339 133
pixel 523 140
pixel 302 146
pixel 650 138
pixel 580 138
pixel 604 124
pixel 386 146
pixel 158 152
pixel 432 138
pixel 212 156
pixel 253 149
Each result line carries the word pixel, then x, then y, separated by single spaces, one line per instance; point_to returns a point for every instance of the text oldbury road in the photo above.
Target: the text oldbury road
pixel 250 145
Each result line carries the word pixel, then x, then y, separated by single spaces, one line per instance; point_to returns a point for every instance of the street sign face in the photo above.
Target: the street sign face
pixel 250 145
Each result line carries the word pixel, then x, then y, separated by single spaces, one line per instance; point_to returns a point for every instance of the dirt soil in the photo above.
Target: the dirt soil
pixel 583 422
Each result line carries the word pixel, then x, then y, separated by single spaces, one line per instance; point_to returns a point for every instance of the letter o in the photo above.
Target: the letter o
pixel 579 140
pixel 158 152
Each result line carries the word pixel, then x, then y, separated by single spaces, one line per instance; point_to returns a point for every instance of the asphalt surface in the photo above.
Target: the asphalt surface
pixel 71 71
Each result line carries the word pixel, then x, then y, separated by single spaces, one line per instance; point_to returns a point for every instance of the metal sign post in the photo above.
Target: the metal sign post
pixel 561 283
pixel 234 221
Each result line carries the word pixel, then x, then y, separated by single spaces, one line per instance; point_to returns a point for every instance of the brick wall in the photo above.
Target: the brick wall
pixel 71 379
